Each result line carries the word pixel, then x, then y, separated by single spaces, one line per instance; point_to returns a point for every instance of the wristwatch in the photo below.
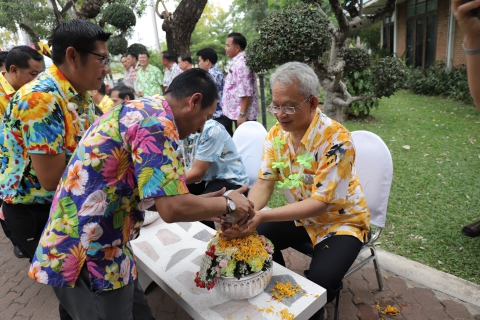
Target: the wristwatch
pixel 242 114
pixel 230 208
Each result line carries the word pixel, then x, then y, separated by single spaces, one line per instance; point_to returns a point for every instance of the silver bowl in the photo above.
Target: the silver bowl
pixel 246 287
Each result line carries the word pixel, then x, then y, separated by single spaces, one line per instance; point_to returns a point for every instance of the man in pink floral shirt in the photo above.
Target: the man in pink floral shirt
pixel 240 99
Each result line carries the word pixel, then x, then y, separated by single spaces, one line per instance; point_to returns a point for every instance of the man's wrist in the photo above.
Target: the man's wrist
pixel 242 115
pixel 471 42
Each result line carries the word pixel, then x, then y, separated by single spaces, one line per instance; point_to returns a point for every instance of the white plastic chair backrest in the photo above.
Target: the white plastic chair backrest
pixel 248 139
pixel 374 166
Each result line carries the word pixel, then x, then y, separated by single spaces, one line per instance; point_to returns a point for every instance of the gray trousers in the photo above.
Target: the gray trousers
pixel 81 303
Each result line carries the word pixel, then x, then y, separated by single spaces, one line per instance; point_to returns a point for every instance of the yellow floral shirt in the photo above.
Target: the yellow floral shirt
pixel 106 104
pixel 6 93
pixel 332 177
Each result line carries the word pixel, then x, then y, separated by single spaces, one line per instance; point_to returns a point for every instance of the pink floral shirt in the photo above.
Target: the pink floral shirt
pixel 240 82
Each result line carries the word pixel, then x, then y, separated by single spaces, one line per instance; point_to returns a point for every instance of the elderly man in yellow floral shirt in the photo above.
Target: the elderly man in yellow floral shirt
pixel 312 158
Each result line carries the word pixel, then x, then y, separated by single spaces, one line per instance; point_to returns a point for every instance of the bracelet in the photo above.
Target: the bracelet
pixel 470 51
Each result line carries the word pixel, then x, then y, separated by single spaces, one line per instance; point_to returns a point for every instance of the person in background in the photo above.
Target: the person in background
pixel 468 18
pixel 101 99
pixel 3 56
pixel 149 78
pixel 185 61
pixel 212 162
pixel 240 99
pixel 207 59
pixel 169 61
pixel 126 65
pixel 23 64
pixel 130 75
pixel 121 93
pixel 137 144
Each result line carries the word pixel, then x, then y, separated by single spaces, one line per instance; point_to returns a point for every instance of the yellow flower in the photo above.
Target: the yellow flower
pixel 64 224
pixel 111 273
pixel 52 258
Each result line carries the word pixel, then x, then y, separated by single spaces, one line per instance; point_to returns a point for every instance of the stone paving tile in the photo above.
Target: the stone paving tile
pixel 455 310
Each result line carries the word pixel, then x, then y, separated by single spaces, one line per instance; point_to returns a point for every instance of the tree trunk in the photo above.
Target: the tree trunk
pixel 90 9
pixel 179 26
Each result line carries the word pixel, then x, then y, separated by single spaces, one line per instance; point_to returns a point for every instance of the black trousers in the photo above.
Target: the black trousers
pixel 81 303
pixel 331 258
pixel 26 223
pixel 200 188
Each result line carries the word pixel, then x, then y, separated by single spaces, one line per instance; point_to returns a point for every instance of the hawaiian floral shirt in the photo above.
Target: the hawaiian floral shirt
pixel 126 159
pixel 215 145
pixel 329 175
pixel 220 82
pixel 38 120
pixel 170 74
pixel 6 93
pixel 149 81
pixel 106 104
pixel 239 82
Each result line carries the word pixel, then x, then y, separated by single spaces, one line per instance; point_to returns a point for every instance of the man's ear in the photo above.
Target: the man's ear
pixel 72 57
pixel 13 69
pixel 195 100
pixel 314 102
pixel 127 98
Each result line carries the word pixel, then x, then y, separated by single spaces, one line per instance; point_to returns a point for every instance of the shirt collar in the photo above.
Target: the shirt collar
pixel 238 56
pixel 305 140
pixel 7 87
pixel 173 66
pixel 66 86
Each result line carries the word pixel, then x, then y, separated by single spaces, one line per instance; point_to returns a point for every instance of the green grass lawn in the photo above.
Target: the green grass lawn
pixel 435 146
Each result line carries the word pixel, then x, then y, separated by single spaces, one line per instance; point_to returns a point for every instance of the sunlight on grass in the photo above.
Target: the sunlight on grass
pixel 436 184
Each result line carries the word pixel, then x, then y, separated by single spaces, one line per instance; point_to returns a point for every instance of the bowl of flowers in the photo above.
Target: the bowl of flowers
pixel 240 268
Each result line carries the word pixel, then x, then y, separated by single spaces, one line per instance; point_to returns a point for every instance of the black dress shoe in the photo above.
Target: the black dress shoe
pixel 18 252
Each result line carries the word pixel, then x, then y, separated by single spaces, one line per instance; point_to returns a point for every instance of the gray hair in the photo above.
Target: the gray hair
pixel 291 72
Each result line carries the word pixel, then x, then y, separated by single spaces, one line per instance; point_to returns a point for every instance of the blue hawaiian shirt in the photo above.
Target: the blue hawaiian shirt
pixel 215 145
pixel 219 81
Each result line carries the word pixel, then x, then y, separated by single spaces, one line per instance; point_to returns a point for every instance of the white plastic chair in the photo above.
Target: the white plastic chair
pixel 248 139
pixel 374 167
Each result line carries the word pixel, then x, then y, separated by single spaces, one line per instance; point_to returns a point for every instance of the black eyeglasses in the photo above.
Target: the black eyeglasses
pixel 288 110
pixel 105 59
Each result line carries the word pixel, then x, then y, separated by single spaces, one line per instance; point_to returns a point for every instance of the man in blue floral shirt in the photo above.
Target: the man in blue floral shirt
pixel 207 58
pixel 125 164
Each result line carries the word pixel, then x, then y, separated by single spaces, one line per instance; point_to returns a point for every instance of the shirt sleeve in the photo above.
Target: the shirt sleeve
pixel 42 119
pixel 157 165
pixel 334 170
pixel 210 144
pixel 267 172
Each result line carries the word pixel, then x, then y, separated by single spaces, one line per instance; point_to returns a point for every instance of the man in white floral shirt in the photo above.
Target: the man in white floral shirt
pixel 240 99
pixel 169 61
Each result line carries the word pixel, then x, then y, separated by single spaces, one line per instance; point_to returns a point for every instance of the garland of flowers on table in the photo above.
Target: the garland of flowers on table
pixel 305 161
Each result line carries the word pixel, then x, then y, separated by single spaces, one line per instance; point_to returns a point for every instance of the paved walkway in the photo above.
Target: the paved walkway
pixel 21 298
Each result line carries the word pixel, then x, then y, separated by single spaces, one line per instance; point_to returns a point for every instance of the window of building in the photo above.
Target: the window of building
pixel 388 34
pixel 421 32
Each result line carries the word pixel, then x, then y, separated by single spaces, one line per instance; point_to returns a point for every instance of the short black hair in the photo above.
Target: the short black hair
pixel 186 57
pixel 103 89
pixel 3 57
pixel 145 52
pixel 19 57
pixel 124 55
pixel 170 56
pixel 193 81
pixel 239 39
pixel 208 54
pixel 123 91
pixel 133 54
pixel 77 33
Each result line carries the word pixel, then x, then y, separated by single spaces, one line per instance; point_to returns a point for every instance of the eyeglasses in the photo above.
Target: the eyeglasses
pixel 288 110
pixel 105 59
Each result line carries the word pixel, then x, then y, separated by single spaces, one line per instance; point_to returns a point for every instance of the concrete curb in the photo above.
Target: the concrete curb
pixel 429 277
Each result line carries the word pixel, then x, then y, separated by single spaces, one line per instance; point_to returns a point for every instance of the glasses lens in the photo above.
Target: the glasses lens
pixel 273 109
pixel 289 110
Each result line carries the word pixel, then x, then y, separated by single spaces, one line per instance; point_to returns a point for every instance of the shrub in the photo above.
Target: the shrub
pixel 356 59
pixel 117 45
pixel 296 33
pixel 137 47
pixel 119 16
pixel 438 81
pixel 390 75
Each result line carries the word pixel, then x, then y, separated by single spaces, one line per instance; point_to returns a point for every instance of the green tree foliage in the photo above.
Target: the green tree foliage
pixel 119 16
pixel 137 47
pixel 296 33
pixel 117 45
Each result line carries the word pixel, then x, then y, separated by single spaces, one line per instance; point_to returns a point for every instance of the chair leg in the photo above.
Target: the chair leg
pixel 377 267
pixel 337 304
